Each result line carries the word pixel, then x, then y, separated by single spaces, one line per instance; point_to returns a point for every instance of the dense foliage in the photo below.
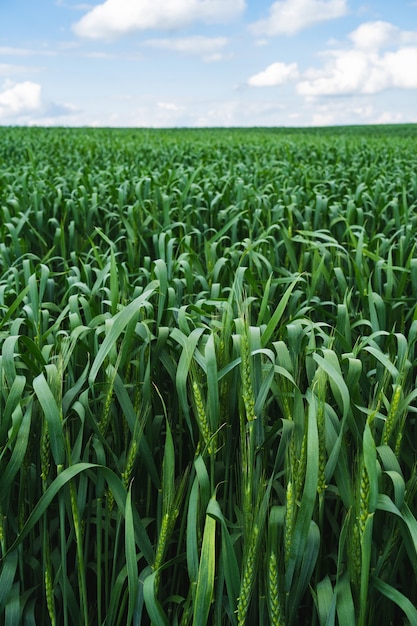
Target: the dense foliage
pixel 208 373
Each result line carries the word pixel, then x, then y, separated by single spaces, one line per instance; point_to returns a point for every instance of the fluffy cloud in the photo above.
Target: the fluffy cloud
pixel 19 99
pixel 209 48
pixel 376 35
pixel 368 67
pixel 292 16
pixel 115 18
pixel 274 74
pixel 23 103
pixel 400 68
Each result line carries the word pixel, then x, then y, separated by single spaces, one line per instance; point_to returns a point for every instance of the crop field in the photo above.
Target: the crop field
pixel 208 377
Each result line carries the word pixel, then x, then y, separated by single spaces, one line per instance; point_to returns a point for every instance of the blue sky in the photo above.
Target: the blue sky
pixel 164 63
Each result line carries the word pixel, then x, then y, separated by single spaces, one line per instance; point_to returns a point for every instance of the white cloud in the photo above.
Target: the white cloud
pixel 115 18
pixel 400 67
pixel 208 48
pixel 19 99
pixel 23 103
pixel 291 16
pixel 373 35
pixel 366 68
pixel 376 35
pixel 275 74
pixel 345 72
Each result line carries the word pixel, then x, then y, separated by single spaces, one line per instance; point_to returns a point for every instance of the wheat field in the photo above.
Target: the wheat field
pixel 208 377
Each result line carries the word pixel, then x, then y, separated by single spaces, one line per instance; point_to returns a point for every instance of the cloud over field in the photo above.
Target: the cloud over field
pixel 115 18
pixel 275 74
pixel 24 103
pixel 291 16
pixel 377 56
pixel 380 58
pixel 20 98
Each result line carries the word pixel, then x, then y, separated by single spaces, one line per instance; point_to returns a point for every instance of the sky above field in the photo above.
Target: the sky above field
pixel 164 63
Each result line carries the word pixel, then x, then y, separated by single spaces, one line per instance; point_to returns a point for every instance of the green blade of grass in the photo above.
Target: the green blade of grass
pixel 398 598
pixel 8 358
pixel 206 570
pixel 19 450
pixel 306 561
pixel 153 606
pixel 12 613
pixel 7 576
pixel 14 396
pixel 131 561
pixel 212 384
pixel 326 602
pixel 184 363
pixel 14 306
pixel 228 556
pixel 168 471
pixel 345 606
pixel 192 530
pixel 53 418
pixel 278 313
pixel 366 548
pixel 121 320
pixel 384 360
pixel 305 536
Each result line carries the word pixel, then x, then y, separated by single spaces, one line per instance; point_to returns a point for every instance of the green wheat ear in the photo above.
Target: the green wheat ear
pixel 248 578
pixel 202 417
pixel 45 453
pixel 289 519
pixel 131 458
pixel 321 429
pixel 106 416
pixel 392 414
pixel 49 591
pixel 275 609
